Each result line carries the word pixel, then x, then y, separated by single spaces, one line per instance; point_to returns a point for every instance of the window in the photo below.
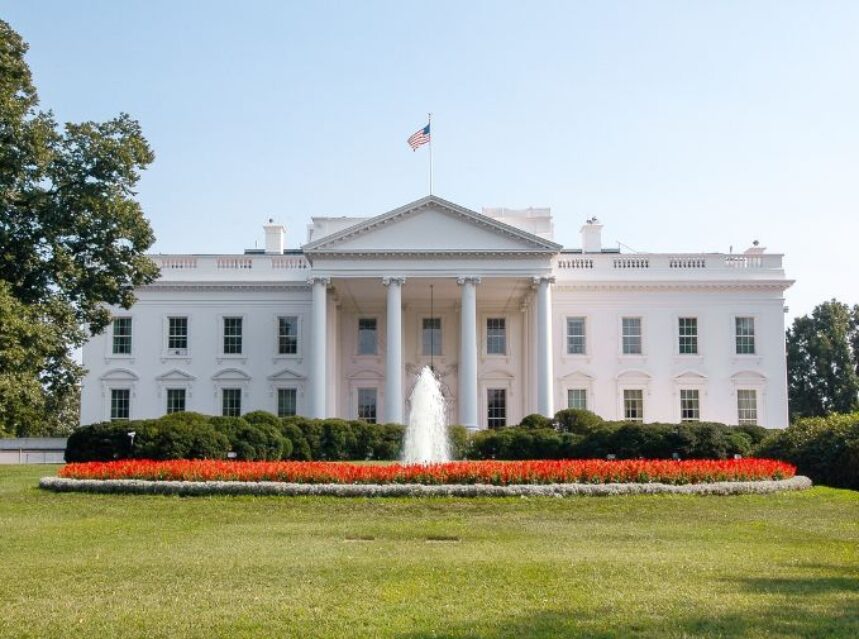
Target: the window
pixel 286 402
pixel 745 333
pixel 177 335
pixel 231 402
pixel 631 327
pixel 690 405
pixel 747 407
pixel 496 336
pixel 576 336
pixel 122 336
pixel 431 336
pixel 368 342
pixel 175 400
pixel 232 335
pixel 633 405
pixel 367 404
pixel 496 407
pixel 577 398
pixel 287 335
pixel 120 403
pixel 687 331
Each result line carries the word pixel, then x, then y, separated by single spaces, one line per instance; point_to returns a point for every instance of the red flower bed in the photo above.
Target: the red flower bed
pixel 591 471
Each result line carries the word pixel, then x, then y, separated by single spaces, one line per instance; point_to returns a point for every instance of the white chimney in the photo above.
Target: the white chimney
pixel 274 235
pixel 592 236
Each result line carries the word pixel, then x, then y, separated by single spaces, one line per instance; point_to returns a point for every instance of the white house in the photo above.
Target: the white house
pixel 512 322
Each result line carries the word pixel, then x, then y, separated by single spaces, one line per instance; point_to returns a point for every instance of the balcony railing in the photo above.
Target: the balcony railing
pixel 613 266
pixel 230 267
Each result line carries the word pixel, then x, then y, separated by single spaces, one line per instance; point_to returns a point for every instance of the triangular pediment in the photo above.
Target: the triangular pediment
pixel 431 226
pixel 176 375
pixel 285 374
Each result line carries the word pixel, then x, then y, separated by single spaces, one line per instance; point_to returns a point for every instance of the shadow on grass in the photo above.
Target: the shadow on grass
pixel 813 610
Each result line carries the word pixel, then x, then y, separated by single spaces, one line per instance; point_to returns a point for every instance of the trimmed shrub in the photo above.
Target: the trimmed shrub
pixel 459 441
pixel 299 448
pixel 824 448
pixel 577 420
pixel 253 441
pixel 182 437
pixel 100 442
pixel 535 420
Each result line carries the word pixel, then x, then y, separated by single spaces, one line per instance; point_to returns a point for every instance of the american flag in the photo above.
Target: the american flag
pixel 419 137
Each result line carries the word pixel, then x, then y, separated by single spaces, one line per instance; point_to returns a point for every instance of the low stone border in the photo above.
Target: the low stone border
pixel 189 488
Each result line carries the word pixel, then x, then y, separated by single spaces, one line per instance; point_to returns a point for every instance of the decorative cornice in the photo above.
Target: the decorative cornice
pixel 224 286
pixel 431 253
pixel 680 285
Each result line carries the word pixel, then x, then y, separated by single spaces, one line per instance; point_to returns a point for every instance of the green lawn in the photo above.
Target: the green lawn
pixel 98 566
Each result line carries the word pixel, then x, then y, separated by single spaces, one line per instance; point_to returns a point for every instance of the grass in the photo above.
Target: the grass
pixel 80 565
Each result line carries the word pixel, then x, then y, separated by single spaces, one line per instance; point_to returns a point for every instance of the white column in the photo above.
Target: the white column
pixel 468 353
pixel 543 327
pixel 318 340
pixel 394 351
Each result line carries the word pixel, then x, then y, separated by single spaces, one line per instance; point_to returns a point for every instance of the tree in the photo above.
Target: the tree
pixel 822 362
pixel 72 240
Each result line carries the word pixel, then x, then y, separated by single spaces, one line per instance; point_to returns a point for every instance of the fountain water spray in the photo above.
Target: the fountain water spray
pixel 426 439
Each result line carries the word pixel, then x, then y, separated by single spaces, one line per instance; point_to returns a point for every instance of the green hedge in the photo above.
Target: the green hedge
pixel 581 434
pixel 254 436
pixel 826 449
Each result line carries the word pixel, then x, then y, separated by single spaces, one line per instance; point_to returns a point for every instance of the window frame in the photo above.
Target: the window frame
pixel 421 329
pixel 231 389
pixel 375 405
pixel 641 343
pixel 111 404
pixel 736 336
pixel 741 421
pixel 584 335
pixel 277 335
pixel 175 389
pixel 578 389
pixel 114 336
pixel 489 407
pixel 486 337
pixel 695 395
pixel 222 335
pixel 678 336
pixel 277 394
pixel 378 332
pixel 623 404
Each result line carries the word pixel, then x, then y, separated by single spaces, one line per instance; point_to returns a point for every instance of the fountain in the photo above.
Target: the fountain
pixel 426 440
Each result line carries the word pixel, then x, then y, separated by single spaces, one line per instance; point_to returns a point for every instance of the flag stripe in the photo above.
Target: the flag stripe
pixel 419 137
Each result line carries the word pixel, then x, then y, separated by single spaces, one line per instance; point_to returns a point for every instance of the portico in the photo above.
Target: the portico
pixel 432 270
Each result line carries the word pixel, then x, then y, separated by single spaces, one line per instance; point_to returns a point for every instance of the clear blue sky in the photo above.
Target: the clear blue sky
pixel 681 125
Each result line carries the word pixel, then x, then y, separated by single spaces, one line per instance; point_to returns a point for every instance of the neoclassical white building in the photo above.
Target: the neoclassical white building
pixel 512 323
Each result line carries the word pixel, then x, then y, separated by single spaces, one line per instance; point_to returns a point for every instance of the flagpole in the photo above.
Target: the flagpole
pixel 429 124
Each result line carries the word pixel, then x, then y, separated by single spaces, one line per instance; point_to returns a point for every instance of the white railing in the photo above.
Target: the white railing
pixel 654 263
pixel 177 262
pixel 230 267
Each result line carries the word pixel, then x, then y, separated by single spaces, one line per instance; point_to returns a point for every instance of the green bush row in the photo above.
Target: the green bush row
pixel 254 436
pixel 826 449
pixel 580 434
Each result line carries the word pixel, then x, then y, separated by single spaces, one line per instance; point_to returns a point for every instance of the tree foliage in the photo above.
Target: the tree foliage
pixel 72 240
pixel 823 361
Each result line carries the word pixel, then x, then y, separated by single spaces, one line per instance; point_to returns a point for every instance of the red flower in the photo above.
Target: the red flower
pixel 540 471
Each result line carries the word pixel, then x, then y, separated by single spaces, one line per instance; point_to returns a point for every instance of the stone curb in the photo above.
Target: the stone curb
pixel 191 488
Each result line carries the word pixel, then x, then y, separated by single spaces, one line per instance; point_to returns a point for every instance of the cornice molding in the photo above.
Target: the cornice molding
pixel 779 285
pixel 226 286
pixel 431 253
